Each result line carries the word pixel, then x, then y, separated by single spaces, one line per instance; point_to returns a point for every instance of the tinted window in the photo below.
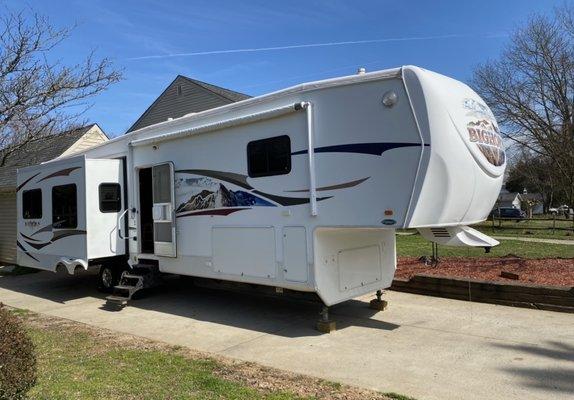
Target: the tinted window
pixel 269 157
pixel 110 197
pixel 64 207
pixel 32 204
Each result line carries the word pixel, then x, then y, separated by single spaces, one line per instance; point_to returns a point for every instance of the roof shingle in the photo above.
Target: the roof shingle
pixel 184 96
pixel 37 152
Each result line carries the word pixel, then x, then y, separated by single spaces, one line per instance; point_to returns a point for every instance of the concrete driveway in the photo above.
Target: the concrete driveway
pixel 425 347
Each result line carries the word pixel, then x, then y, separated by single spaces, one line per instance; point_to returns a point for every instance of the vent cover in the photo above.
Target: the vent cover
pixel 440 232
pixel 457 236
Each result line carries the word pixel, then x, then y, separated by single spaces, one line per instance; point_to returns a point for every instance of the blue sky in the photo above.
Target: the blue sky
pixel 145 37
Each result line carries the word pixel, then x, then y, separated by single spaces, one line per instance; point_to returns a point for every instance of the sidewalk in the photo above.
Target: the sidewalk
pixel 536 240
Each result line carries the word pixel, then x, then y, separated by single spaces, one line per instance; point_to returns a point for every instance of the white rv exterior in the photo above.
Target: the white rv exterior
pixel 300 189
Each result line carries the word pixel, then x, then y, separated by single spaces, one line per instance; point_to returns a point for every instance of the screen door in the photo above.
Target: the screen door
pixel 163 210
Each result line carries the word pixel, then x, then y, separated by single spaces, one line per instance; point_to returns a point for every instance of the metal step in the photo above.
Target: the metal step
pixel 125 287
pixel 131 276
pixel 133 281
pixel 117 299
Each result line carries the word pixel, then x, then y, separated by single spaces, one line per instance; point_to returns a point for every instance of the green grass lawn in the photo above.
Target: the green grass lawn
pixel 74 365
pixel 532 228
pixel 76 361
pixel 416 246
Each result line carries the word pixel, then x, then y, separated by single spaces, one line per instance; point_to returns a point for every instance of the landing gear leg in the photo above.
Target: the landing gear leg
pixel 435 258
pixel 325 325
pixel 378 304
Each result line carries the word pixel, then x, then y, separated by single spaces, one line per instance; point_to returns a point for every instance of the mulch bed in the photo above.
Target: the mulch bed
pixel 549 271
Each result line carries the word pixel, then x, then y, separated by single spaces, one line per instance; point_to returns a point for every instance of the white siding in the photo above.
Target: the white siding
pixel 90 139
pixel 8 228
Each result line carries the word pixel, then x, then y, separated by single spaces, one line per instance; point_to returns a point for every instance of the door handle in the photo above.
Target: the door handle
pixel 119 226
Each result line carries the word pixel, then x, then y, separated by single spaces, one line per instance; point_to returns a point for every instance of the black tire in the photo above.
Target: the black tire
pixel 108 278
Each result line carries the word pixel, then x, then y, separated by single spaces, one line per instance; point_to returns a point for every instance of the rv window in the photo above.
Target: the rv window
pixel 110 197
pixel 269 157
pixel 64 207
pixel 32 204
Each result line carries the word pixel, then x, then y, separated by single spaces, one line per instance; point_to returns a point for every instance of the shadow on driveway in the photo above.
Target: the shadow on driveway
pixel 549 379
pixel 261 313
pixel 55 287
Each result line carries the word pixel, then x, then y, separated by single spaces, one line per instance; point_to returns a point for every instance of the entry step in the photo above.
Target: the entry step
pixel 125 287
pixel 131 276
pixel 117 299
pixel 132 282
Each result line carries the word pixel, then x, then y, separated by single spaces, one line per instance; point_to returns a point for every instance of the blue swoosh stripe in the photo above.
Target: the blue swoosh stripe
pixel 376 149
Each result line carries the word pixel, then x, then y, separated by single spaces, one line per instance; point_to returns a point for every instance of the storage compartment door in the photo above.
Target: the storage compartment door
pixel 163 210
pixel 295 254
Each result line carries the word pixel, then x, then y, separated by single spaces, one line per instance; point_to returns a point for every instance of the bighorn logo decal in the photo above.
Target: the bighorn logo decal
pixel 487 138
pixel 477 109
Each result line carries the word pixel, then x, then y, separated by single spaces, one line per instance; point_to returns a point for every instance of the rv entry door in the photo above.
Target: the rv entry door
pixel 163 180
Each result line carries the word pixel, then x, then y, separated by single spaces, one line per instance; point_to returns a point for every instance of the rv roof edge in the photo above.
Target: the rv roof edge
pixel 369 76
pixel 56 161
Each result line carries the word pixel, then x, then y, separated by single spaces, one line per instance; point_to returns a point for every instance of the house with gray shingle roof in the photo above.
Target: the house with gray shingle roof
pixel 530 202
pixel 51 147
pixel 509 200
pixel 185 96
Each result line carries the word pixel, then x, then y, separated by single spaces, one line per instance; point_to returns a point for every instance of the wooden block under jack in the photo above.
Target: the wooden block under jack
pixel 509 275
pixel 326 326
pixel 379 305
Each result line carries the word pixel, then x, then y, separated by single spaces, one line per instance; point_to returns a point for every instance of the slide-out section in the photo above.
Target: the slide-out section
pixel 68 213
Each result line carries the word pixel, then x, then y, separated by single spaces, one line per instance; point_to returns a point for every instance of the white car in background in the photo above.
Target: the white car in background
pixel 564 209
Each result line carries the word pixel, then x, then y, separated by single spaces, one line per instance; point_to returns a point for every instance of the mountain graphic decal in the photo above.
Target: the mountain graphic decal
pixel 219 196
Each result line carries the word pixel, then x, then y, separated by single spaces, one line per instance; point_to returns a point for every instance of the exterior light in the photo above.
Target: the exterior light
pixel 390 99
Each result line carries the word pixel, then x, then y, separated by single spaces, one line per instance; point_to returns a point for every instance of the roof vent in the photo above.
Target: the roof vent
pixel 169 118
pixel 361 71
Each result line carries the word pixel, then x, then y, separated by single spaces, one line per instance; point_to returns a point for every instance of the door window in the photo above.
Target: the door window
pixel 163 214
pixel 110 197
pixel 161 183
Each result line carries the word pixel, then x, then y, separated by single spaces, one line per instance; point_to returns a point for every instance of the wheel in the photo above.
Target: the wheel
pixel 108 278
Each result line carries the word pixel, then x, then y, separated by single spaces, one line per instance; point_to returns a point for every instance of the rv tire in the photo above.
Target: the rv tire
pixel 108 277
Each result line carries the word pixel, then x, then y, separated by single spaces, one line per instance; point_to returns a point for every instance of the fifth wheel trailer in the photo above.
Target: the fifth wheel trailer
pixel 300 189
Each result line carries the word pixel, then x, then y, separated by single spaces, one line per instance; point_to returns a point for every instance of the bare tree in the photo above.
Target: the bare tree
pixel 533 173
pixel 39 96
pixel 531 91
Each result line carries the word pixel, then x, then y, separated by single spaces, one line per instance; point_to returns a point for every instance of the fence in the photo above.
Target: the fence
pixel 553 223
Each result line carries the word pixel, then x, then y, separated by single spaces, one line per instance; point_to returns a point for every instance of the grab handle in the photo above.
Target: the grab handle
pixel 119 226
